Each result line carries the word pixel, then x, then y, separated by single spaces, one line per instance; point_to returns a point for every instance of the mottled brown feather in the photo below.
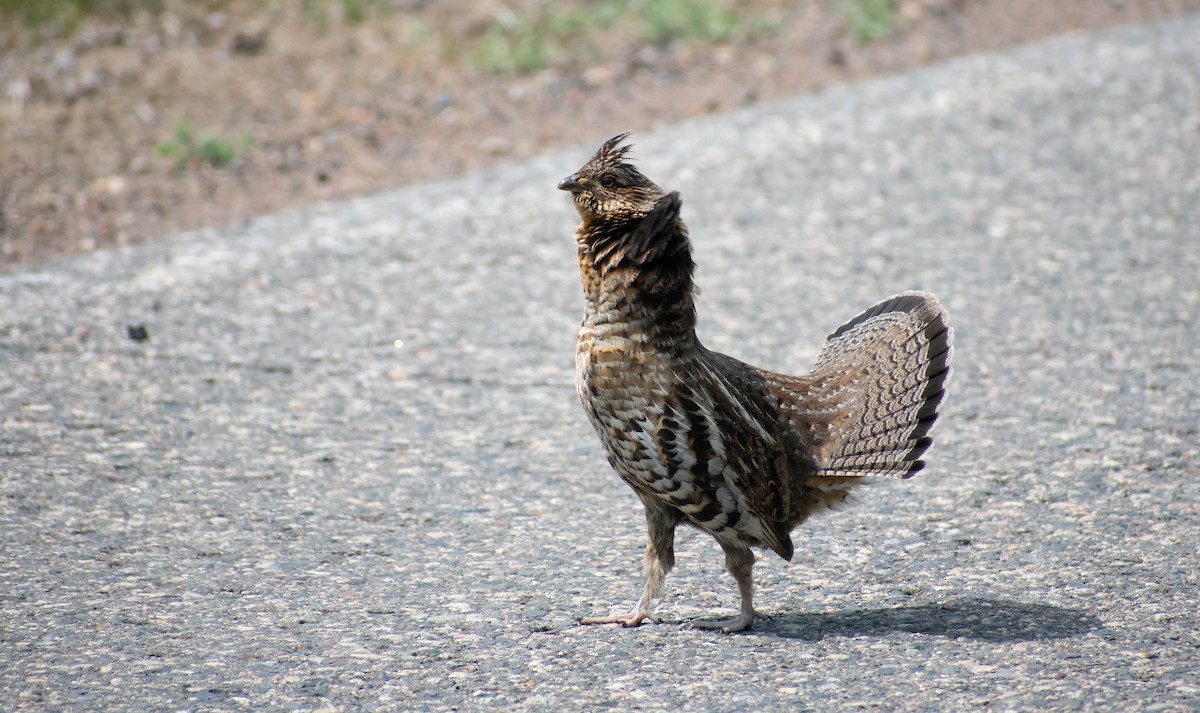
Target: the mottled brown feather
pixel 739 452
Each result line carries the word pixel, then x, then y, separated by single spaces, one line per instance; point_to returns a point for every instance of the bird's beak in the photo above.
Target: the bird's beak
pixel 571 183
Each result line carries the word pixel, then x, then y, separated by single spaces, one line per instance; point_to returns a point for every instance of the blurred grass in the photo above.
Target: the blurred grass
pixel 186 148
pixel 869 20
pixel 528 41
pixel 60 17
pixel 352 12
pixel 689 21
pixel 524 42
pixel 522 38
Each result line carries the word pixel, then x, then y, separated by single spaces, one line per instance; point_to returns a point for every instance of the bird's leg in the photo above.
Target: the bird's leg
pixel 660 558
pixel 739 559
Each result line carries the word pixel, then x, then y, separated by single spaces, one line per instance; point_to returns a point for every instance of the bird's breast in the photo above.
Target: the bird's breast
pixel 622 382
pixel 618 371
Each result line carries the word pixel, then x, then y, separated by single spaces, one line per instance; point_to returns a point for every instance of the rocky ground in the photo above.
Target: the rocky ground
pixel 205 114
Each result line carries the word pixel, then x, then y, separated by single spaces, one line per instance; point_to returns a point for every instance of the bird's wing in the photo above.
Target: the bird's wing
pixel 754 464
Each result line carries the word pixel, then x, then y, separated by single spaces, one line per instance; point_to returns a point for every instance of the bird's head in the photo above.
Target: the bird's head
pixel 609 186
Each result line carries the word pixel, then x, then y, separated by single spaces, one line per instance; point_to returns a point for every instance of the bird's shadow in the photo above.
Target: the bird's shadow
pixel 982 619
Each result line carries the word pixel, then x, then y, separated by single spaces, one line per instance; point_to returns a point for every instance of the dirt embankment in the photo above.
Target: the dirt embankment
pixel 205 114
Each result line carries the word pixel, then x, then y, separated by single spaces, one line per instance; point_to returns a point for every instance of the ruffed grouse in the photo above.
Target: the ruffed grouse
pixel 743 454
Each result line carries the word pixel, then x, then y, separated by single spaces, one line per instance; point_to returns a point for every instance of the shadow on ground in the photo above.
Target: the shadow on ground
pixel 967 617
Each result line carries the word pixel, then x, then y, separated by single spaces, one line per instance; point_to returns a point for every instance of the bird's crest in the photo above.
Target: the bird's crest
pixel 612 155
pixel 612 151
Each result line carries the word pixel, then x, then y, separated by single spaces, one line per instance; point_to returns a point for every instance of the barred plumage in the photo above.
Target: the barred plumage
pixel 704 439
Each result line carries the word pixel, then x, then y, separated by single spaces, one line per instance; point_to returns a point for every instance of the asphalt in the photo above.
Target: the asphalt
pixel 343 466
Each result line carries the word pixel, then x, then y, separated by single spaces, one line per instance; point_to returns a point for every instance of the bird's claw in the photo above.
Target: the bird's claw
pixel 634 618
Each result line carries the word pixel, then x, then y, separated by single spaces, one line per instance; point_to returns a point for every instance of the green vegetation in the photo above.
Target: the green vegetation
pixel 524 43
pixel 187 148
pixel 530 37
pixel 514 45
pixel 688 21
pixel 520 43
pixel 869 20
pixel 59 17
pixel 355 11
pixel 351 12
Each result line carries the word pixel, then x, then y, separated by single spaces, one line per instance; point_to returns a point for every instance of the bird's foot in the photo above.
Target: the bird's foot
pixel 633 618
pixel 728 626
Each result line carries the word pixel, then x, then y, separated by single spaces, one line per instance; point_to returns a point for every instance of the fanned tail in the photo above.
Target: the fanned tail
pixel 894 361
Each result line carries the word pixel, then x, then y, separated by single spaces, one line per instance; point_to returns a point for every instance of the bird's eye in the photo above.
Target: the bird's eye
pixel 608 180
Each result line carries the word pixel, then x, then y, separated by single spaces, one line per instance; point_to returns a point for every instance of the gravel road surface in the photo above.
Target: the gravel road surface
pixel 333 459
